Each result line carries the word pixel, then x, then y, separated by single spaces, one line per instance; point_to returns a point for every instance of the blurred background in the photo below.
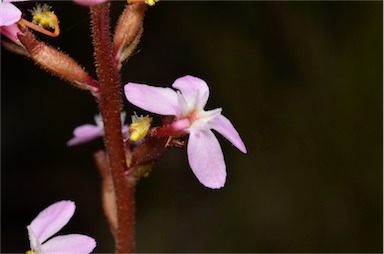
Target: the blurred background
pixel 301 82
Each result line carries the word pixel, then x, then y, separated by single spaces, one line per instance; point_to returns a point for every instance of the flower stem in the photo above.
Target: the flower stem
pixel 110 104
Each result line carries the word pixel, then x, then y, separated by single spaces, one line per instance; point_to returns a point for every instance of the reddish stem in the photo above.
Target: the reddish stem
pixel 110 105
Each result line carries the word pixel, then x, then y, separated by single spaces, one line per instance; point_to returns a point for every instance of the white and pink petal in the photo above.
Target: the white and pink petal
pixel 159 100
pixel 85 133
pixel 194 90
pixel 9 14
pixel 34 243
pixel 53 218
pixel 206 158
pixel 222 125
pixel 72 243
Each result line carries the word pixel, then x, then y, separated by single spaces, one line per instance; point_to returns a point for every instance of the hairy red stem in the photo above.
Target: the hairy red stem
pixel 110 104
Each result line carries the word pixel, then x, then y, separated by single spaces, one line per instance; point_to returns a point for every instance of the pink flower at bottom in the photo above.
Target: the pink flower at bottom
pixel 49 222
pixel 187 105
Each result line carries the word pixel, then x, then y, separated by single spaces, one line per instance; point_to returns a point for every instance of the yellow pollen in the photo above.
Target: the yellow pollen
pixel 139 127
pixel 149 2
pixel 43 20
pixel 43 16
pixel 31 252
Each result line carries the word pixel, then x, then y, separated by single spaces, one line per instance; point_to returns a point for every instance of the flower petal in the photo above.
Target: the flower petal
pixel 9 14
pixel 194 90
pixel 11 33
pixel 159 100
pixel 206 158
pixel 222 125
pixel 33 242
pixel 99 121
pixel 52 219
pixel 73 244
pixel 85 133
pixel 89 2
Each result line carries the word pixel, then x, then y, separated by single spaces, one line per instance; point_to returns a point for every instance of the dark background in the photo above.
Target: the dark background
pixel 302 83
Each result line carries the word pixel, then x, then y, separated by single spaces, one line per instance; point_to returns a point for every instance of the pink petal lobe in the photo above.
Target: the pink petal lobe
pixel 206 158
pixel 73 244
pixel 222 125
pixel 9 14
pixel 89 2
pixel 33 241
pixel 52 219
pixel 11 32
pixel 194 90
pixel 85 133
pixel 159 100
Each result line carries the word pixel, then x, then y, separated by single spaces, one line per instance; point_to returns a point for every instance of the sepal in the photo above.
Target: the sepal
pixel 145 154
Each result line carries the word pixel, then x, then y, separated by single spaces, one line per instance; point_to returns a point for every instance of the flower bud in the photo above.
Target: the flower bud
pixel 128 31
pixel 57 63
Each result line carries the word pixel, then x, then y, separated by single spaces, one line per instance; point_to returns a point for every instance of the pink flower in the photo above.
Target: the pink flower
pixel 187 105
pixel 9 16
pixel 89 2
pixel 48 223
pixel 87 132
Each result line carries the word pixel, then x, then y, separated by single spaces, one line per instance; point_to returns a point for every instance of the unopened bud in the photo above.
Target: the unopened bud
pixel 128 31
pixel 127 51
pixel 57 63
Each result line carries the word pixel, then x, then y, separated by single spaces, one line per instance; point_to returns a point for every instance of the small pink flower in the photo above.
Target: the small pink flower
pixel 88 132
pixel 48 223
pixel 187 105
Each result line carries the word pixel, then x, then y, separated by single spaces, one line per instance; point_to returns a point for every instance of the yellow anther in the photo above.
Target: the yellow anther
pixel 43 19
pixel 31 252
pixel 139 127
pixel 149 2
pixel 43 16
